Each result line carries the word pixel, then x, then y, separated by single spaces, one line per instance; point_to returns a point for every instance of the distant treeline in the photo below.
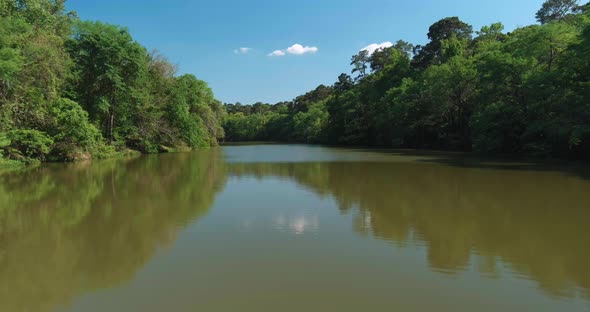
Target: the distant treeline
pixel 521 93
pixel 72 89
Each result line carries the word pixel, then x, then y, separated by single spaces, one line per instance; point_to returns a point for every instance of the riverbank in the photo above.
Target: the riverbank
pixel 11 165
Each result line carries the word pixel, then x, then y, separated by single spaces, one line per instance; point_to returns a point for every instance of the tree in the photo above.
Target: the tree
pixel 72 133
pixel 344 83
pixel 108 63
pixel 150 129
pixel 190 113
pixel 29 144
pixel 360 63
pixel 553 10
pixel 11 58
pixel 309 126
pixel 381 58
pixel 442 30
pixel 452 86
pixel 404 47
pixel 302 103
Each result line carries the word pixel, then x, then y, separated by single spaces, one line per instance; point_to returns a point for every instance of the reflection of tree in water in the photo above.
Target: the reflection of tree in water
pixel 64 231
pixel 535 222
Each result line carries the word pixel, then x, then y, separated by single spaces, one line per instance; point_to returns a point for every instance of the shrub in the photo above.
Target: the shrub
pixel 28 144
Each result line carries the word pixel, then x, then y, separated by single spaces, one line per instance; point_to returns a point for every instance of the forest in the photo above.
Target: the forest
pixel 519 93
pixel 74 90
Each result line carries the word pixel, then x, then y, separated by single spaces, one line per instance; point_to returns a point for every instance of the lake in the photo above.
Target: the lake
pixel 295 228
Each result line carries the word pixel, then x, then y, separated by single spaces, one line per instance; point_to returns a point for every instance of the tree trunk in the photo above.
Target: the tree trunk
pixel 111 124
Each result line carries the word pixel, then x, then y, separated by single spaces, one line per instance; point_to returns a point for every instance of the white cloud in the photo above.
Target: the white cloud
pixel 377 46
pixel 295 49
pixel 242 50
pixel 277 53
pixel 298 49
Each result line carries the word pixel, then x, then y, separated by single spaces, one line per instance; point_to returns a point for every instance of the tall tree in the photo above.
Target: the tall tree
pixel 553 10
pixel 360 63
pixel 302 103
pixel 344 83
pixel 108 63
pixel 444 29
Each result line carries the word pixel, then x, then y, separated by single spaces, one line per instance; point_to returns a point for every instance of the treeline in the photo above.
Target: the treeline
pixel 72 89
pixel 526 92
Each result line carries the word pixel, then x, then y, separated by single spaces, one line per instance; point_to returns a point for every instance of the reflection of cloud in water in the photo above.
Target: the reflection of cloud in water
pixel 297 225
pixel 529 224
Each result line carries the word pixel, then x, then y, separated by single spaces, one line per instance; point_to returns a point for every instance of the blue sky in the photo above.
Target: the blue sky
pixel 202 36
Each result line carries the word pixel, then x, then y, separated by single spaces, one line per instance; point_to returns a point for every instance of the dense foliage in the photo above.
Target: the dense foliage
pixel 521 93
pixel 72 89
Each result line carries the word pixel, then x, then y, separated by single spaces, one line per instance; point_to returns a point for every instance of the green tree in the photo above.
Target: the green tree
pixel 190 112
pixel 309 126
pixel 553 10
pixel 442 30
pixel 11 59
pixel 360 63
pixel 28 145
pixel 72 132
pixel 108 65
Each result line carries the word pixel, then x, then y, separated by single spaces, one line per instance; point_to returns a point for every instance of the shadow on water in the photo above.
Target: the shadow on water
pixel 69 229
pixel 473 161
pixel 574 169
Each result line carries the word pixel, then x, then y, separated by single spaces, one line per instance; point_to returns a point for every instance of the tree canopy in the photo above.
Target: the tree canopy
pixel 72 89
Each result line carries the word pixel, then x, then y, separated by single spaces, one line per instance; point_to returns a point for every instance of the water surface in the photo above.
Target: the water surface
pixel 295 228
